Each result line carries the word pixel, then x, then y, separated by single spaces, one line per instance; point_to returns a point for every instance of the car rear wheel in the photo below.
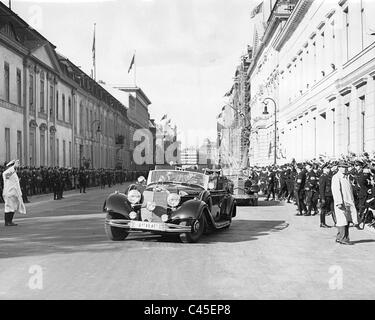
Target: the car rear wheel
pixel 197 228
pixel 115 233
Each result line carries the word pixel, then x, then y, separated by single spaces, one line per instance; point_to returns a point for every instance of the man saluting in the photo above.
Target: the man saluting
pixel 12 193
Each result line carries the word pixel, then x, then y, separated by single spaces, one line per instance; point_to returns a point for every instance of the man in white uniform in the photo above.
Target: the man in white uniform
pixel 343 198
pixel 12 193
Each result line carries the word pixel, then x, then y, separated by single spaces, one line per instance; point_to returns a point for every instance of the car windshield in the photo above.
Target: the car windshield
pixel 179 177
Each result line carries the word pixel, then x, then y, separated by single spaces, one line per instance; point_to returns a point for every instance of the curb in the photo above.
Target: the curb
pixel 37 199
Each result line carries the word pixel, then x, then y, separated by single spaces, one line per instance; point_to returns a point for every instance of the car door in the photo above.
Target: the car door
pixel 219 199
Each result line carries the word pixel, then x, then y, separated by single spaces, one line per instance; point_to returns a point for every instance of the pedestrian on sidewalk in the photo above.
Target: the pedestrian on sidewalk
pixel 12 193
pixel 343 198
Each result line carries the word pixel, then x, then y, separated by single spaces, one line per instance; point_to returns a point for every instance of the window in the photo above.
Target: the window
pixel 70 154
pixel 57 152
pixel 87 119
pixel 42 148
pixel 70 110
pixel 19 87
pixel 57 105
pixel 348 124
pixel 363 26
pixel 32 147
pixel 91 128
pixel 42 110
pixel 346 21
pixel 63 107
pixel 81 119
pixel 64 153
pixel 31 93
pixel 363 123
pixel 52 150
pixel 19 145
pixel 6 81
pixel 7 145
pixel 51 102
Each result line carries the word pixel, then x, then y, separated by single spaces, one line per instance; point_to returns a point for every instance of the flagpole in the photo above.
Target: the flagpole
pixel 94 52
pixel 135 69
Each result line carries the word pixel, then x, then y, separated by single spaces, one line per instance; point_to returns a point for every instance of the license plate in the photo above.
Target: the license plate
pixel 156 226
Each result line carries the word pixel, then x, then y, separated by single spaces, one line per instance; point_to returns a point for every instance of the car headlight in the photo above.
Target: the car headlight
pixel 134 196
pixel 173 200
pixel 151 206
pixel 133 215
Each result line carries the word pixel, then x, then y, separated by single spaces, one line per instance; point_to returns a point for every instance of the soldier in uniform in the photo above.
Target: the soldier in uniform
pixel 271 181
pixel 290 177
pixel 56 184
pixel 363 183
pixel 283 184
pixel 310 188
pixel 326 197
pixel 299 186
pixel 23 185
pixel 82 178
pixel 1 185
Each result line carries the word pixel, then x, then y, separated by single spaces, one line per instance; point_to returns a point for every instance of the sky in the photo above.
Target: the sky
pixel 186 51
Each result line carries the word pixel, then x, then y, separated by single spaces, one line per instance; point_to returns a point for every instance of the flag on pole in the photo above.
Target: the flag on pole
pixel 94 55
pixel 131 63
pixel 93 47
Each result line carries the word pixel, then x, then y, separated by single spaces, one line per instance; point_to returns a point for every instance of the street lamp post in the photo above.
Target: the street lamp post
pixel 265 112
pixel 98 130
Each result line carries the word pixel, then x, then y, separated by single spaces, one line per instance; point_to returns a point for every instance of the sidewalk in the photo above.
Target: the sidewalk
pixel 71 193
pixel 293 207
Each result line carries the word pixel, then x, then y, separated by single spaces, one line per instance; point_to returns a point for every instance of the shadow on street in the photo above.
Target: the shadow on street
pixel 88 235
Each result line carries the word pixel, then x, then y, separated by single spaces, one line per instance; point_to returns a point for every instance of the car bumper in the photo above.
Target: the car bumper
pixel 161 226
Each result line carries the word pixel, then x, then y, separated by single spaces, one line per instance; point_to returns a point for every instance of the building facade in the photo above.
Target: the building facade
pixel 234 120
pixel 318 65
pixel 51 112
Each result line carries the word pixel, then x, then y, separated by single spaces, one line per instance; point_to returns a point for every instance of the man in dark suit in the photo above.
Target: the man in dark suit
pixel 271 181
pixel 299 186
pixel 326 198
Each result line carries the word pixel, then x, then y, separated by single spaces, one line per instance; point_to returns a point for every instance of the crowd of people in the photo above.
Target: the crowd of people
pixel 55 180
pixel 312 186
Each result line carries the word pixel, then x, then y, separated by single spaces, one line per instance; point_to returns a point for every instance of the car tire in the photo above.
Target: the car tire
pixel 197 227
pixel 114 233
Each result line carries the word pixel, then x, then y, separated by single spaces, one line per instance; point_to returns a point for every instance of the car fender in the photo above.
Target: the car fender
pixel 191 209
pixel 231 206
pixel 118 202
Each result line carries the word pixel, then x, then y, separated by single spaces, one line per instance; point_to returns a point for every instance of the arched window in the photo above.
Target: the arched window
pixel 70 110
pixel 63 107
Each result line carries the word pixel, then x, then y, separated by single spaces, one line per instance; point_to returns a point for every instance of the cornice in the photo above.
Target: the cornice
pixel 294 20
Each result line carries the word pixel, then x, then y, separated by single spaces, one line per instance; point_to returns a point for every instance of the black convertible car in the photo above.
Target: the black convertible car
pixel 184 203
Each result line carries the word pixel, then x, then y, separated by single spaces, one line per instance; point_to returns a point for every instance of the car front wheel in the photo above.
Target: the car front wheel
pixel 197 228
pixel 115 233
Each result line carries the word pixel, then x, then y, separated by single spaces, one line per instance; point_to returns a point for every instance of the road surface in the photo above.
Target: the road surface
pixel 60 251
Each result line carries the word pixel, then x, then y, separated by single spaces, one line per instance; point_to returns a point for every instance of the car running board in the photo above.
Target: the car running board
pixel 219 224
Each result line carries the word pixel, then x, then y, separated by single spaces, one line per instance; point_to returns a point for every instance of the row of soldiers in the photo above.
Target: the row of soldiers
pixel 56 180
pixel 309 184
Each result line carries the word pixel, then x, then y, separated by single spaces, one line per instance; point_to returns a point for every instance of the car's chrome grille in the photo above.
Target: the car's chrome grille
pixel 160 198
